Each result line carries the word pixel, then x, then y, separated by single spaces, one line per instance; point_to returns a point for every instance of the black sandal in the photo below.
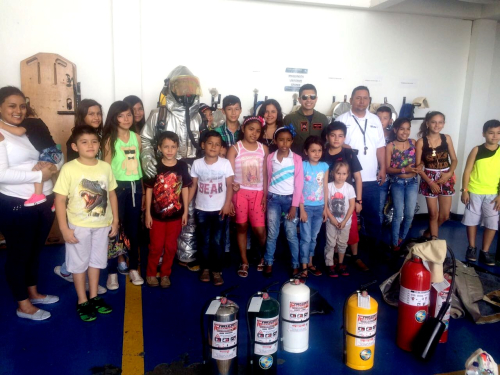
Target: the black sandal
pixel 86 312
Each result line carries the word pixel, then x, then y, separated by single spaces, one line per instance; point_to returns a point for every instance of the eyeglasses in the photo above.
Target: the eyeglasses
pixel 305 97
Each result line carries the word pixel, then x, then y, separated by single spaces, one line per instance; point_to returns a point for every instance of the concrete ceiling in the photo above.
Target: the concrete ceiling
pixel 462 9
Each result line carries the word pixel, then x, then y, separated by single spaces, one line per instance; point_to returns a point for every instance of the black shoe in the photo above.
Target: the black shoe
pixel 486 258
pixel 100 306
pixel 268 271
pixel 86 311
pixel 470 255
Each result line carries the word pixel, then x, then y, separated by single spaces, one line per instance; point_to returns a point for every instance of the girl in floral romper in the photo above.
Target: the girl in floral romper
pixel 400 159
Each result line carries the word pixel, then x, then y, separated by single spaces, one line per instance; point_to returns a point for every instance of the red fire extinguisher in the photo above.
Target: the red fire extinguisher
pixel 439 292
pixel 413 306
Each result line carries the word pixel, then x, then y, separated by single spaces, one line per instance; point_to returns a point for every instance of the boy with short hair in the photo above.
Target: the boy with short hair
pixel 230 130
pixel 212 182
pixel 87 185
pixel 385 115
pixel 306 121
pixel 335 152
pixel 207 117
pixel 480 192
pixel 166 208
pixel 207 123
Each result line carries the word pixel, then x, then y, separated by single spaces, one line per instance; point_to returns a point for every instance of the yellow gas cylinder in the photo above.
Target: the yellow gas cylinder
pixel 360 327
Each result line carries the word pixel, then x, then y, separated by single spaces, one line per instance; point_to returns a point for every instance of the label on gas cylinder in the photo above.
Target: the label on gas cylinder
pixel 225 334
pixel 441 286
pixel 297 327
pixel 265 349
pixel 255 304
pixel 366 325
pixel 299 311
pixel 441 298
pixel 414 297
pixel 266 330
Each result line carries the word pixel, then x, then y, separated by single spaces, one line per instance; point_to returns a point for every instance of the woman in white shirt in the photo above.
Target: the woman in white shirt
pixel 25 228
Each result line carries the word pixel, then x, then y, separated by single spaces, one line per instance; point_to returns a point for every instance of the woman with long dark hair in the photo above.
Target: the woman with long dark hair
pixel 25 228
pixel 137 110
pixel 89 112
pixel 270 110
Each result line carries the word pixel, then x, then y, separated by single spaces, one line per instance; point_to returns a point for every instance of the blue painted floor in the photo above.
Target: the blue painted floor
pixel 65 345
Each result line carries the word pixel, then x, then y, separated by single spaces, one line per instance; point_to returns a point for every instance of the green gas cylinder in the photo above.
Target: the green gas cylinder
pixel 263 318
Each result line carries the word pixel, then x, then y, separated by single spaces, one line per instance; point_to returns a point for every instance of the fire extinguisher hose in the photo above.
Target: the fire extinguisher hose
pixel 447 303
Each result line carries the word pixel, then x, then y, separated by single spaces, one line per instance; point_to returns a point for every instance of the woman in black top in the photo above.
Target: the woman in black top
pixel 270 110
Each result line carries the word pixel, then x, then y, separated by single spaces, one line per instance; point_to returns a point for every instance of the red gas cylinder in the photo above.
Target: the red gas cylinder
pixel 413 304
pixel 439 292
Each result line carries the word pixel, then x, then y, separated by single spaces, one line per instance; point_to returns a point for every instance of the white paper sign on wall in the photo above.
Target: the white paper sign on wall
pixel 294 78
pixel 408 83
pixel 373 81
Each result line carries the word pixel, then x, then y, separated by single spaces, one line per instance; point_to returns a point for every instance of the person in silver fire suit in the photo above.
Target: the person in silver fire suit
pixel 177 112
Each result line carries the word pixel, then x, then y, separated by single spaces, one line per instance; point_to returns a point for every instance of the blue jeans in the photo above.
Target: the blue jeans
pixel 227 236
pixel 404 198
pixel 384 191
pixel 370 211
pixel 209 228
pixel 276 206
pixel 309 232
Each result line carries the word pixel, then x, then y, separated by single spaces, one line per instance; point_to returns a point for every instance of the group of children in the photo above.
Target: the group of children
pixel 433 158
pixel 262 183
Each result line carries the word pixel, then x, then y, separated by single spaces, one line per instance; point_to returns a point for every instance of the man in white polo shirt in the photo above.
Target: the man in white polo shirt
pixel 365 134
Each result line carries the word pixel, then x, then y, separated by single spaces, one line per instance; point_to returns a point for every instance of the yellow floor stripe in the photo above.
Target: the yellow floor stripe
pixel 133 339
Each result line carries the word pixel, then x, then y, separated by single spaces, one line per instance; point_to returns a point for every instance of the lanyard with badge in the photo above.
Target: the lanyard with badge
pixel 362 131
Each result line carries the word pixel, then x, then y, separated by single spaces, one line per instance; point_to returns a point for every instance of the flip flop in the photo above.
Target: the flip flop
pixel 243 270
pixel 260 266
pixel 314 271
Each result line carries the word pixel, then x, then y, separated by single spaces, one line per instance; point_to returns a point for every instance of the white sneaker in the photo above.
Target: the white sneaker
pixel 112 283
pixel 135 277
pixel 100 289
pixel 57 271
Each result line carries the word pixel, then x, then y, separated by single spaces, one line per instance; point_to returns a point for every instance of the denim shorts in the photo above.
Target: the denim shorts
pixel 52 155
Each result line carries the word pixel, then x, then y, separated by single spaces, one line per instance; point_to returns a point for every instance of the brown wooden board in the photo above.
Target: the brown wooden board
pixel 47 80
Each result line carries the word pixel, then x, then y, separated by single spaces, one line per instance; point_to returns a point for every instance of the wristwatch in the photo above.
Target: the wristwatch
pixel 463 189
pixel 359 201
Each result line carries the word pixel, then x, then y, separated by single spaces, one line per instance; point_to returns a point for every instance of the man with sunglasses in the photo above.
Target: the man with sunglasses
pixel 306 121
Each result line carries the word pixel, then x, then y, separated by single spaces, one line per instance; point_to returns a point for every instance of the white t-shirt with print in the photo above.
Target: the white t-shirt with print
pixel 338 200
pixel 211 193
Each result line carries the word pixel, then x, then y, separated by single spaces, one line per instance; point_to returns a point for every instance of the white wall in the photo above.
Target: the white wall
pixel 494 89
pixel 129 47
pixel 77 30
